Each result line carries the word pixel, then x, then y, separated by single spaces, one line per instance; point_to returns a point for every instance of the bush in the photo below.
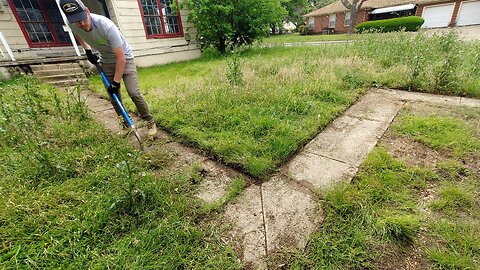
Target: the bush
pixel 411 23
pixel 304 30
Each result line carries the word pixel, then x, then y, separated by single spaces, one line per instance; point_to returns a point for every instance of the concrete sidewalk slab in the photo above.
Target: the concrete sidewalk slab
pixel 216 183
pixel 315 172
pixel 420 97
pixel 375 106
pixel 470 102
pixel 348 139
pixel 290 214
pixel 247 235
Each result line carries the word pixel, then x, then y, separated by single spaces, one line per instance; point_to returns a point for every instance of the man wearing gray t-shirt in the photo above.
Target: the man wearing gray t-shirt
pixel 116 56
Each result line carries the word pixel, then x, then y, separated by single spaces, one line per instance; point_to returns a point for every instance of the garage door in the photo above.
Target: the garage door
pixel 437 16
pixel 469 13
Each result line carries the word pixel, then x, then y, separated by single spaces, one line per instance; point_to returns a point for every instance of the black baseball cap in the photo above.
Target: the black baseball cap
pixel 74 10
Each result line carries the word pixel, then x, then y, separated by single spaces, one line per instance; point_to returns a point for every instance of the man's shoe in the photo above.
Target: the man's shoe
pixel 152 129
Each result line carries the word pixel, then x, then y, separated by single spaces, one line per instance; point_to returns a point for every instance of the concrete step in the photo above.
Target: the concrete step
pixel 43 73
pixel 61 74
pixel 62 77
pixel 55 66
pixel 69 82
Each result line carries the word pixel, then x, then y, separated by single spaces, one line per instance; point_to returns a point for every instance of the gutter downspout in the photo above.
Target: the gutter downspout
pixel 65 26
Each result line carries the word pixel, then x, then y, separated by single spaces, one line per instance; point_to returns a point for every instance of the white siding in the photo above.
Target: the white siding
pixel 11 30
pixel 152 51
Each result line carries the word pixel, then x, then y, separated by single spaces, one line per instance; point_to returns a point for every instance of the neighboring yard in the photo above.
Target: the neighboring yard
pixel 255 110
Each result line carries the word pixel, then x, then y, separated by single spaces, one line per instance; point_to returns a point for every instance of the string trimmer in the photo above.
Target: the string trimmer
pixel 120 105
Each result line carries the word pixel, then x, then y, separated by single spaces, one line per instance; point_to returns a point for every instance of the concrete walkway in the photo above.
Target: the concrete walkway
pixel 282 212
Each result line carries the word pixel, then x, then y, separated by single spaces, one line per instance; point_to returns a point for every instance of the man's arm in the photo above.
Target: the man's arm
pixel 120 64
pixel 84 44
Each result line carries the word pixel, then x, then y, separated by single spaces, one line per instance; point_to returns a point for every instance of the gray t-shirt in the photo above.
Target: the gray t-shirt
pixel 103 37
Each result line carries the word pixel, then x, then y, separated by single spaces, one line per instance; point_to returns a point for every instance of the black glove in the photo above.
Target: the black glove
pixel 92 58
pixel 114 88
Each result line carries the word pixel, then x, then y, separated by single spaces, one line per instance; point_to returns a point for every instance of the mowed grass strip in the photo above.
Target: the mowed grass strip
pixel 282 97
pixel 74 196
pixel 396 214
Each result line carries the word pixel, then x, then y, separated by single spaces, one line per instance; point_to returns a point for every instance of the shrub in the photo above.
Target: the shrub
pixel 411 23
pixel 304 30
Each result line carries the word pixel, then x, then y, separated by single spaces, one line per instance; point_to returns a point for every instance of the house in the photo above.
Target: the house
pixel 34 30
pixel 335 18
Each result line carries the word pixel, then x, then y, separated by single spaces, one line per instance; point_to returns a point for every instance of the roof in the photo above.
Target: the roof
pixel 338 7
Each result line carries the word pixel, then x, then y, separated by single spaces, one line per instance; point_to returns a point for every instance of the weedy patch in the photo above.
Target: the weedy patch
pixel 74 196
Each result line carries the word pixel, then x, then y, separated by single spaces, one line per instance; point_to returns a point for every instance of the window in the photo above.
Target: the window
pixel 331 20
pixel 41 22
pixel 311 22
pixel 347 18
pixel 161 18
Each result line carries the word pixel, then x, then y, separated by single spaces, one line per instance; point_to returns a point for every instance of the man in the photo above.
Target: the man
pixel 116 56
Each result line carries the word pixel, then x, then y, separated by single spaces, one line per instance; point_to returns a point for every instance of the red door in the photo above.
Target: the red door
pixel 41 22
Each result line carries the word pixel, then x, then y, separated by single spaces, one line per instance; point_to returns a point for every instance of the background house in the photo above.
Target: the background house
pixel 334 18
pixel 157 32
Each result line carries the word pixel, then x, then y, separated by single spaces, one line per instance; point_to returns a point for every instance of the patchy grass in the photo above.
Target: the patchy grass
pixel 395 214
pixel 74 196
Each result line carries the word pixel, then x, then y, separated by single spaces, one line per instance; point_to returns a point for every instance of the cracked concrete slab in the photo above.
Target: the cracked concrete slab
pixel 348 139
pixel 318 172
pixel 375 106
pixel 247 235
pixel 290 214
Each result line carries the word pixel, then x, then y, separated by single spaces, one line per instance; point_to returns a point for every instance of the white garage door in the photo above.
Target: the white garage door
pixel 437 16
pixel 469 13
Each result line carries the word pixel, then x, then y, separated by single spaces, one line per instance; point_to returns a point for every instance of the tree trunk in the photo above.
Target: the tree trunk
pixel 351 23
pixel 353 7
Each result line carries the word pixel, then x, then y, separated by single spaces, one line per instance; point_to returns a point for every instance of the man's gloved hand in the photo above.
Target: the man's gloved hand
pixel 92 58
pixel 114 88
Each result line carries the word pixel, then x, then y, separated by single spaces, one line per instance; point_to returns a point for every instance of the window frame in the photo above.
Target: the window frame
pixel 164 35
pixel 56 42
pixel 311 22
pixel 334 16
pixel 347 22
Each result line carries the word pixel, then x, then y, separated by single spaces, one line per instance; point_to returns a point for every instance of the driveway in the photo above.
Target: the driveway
pixel 471 32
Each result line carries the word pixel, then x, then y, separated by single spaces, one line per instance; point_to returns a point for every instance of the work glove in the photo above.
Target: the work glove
pixel 114 88
pixel 92 58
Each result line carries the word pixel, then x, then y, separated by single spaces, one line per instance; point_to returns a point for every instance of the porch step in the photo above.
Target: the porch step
pixel 61 74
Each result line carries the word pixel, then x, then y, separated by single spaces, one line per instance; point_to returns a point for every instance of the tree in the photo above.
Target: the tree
pixel 316 4
pixel 224 23
pixel 353 7
pixel 295 10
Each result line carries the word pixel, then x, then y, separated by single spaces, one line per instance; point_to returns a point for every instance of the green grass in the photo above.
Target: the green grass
pixel 448 134
pixel 74 196
pixel 383 215
pixel 254 109
pixel 297 38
